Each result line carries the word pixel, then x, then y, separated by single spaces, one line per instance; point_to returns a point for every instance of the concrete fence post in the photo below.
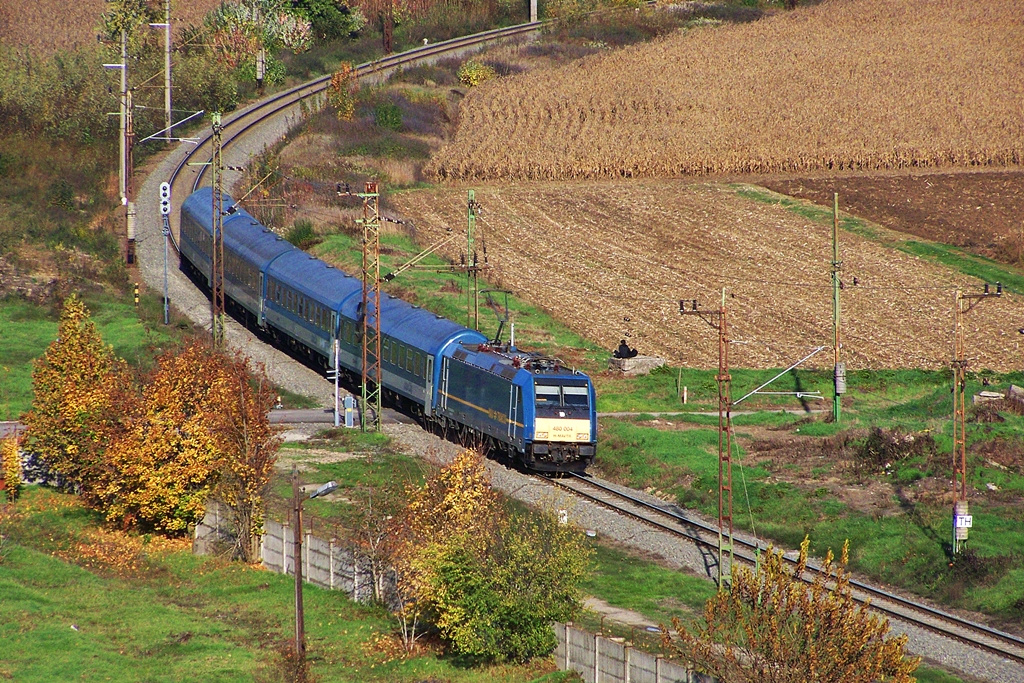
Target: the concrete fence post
pixel 626 649
pixel 305 546
pixel 657 669
pixel 330 563
pixel 597 658
pixel 568 625
pixel 284 549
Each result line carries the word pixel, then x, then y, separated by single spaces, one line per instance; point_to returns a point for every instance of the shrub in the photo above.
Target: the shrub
pixel 387 115
pixel 302 234
pixel 474 73
pixel 341 94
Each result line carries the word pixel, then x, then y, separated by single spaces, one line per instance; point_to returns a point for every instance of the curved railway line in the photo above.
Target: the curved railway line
pixel 672 521
pixel 252 117
pixel 249 121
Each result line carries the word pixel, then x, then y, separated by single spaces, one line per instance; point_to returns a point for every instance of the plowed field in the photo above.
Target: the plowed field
pixel 596 253
pixel 982 212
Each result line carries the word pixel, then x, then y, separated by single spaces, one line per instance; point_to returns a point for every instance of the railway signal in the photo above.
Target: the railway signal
pixel 165 199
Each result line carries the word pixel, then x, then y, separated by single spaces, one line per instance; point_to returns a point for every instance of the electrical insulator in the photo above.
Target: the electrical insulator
pixel 840 378
pixel 999 289
pixel 165 198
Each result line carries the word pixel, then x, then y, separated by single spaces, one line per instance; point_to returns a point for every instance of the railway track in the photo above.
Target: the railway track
pixel 249 119
pixel 665 519
pixel 672 520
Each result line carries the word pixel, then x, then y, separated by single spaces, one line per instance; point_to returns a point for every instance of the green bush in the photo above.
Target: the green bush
pixel 499 606
pixel 387 115
pixel 329 18
pixel 200 82
pixel 474 73
pixel 302 234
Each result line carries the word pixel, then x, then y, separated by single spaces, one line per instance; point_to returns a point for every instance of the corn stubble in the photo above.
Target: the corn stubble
pixel 861 84
pixel 596 253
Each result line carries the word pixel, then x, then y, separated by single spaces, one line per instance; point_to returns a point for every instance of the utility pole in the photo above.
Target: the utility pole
pixel 166 26
pixel 839 369
pixel 962 520
pixel 717 320
pixel 129 135
pixel 472 267
pixel 370 311
pixel 124 99
pixel 300 620
pixel 217 248
pixel 167 67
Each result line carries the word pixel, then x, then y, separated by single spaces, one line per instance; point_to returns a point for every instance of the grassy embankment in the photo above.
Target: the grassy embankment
pixel 80 602
pixel 27 329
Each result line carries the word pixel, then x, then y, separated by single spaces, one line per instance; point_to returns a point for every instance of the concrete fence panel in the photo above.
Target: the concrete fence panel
pixel 331 564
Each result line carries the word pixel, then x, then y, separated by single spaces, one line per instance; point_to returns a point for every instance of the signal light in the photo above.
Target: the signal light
pixel 165 198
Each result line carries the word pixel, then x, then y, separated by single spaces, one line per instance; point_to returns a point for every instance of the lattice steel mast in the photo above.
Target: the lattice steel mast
pixel 472 265
pixel 370 310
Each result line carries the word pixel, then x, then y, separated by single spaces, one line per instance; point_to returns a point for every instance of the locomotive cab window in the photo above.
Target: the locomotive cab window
pixel 548 395
pixel 562 396
pixel 575 396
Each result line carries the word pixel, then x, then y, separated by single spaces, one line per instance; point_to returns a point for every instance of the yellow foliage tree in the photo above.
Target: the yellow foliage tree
pixel 491 582
pixel 772 627
pixel 78 384
pixel 453 507
pixel 159 474
pixel 341 93
pixel 10 468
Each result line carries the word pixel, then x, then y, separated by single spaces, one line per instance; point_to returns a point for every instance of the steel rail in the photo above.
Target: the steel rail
pixel 269 107
pixel 955 621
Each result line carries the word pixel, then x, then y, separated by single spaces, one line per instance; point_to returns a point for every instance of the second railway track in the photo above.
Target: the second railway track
pixel 670 519
pixel 250 120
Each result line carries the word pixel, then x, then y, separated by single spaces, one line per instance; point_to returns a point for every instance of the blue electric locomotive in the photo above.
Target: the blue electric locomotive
pixel 527 406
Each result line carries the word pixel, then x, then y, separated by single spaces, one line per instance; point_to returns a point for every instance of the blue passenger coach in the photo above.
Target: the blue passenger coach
pixel 527 406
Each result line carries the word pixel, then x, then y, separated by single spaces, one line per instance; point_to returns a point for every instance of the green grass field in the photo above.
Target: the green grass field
pixel 122 609
pixel 26 330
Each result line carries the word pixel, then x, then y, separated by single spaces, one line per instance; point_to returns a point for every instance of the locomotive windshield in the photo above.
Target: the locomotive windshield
pixel 562 396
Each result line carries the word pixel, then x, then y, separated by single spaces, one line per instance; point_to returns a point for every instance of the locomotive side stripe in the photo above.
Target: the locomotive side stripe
pixel 489 413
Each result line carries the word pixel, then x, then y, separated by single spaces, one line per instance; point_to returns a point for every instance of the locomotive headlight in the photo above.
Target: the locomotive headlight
pixel 542 435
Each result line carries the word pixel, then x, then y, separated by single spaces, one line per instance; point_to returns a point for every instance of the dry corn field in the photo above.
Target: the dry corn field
pixel 47 26
pixel 848 84
pixel 596 253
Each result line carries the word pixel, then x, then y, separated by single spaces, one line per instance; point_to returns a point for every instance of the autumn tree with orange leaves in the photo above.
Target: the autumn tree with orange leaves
pixel 148 452
pixel 770 626
pixel 199 428
pixel 79 389
pixel 159 473
pixel 248 451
